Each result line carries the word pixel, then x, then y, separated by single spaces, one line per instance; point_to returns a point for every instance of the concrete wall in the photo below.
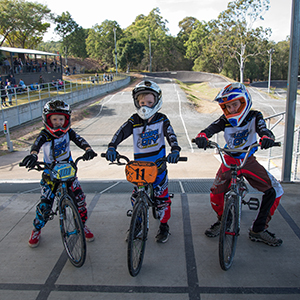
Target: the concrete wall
pixel 18 115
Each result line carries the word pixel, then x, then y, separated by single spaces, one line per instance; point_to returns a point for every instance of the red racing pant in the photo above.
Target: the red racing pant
pixel 259 178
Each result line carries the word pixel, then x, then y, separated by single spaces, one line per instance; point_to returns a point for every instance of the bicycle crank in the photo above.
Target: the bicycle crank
pixel 253 203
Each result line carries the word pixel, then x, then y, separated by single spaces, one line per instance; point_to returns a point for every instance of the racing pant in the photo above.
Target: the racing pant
pixel 48 190
pixel 259 178
pixel 161 194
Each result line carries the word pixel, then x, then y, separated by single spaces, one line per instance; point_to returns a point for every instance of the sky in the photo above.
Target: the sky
pixel 124 12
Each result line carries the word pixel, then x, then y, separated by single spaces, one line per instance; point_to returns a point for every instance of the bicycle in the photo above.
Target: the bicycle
pixel 142 174
pixel 71 227
pixel 233 201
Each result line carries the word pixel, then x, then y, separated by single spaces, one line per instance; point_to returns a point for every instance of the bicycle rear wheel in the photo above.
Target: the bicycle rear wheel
pixel 137 238
pixel 229 232
pixel 72 232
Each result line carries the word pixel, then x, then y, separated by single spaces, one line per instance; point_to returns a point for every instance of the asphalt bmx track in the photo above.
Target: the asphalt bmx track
pixel 186 267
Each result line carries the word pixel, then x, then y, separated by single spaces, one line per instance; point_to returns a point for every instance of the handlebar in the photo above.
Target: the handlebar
pixel 119 157
pixel 222 151
pixel 41 166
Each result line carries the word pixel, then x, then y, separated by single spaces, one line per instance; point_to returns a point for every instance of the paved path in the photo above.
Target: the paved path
pixel 186 267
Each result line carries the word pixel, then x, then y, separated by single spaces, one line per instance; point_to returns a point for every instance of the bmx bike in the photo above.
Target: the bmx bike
pixel 233 201
pixel 71 227
pixel 142 174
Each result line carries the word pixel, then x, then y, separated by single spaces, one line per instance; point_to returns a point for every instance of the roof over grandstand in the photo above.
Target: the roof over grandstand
pixel 26 51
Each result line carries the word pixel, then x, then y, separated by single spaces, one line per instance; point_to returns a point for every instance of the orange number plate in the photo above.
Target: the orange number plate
pixel 141 172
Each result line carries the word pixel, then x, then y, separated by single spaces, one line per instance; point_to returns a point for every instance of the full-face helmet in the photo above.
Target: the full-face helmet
pixel 56 107
pixel 146 87
pixel 230 93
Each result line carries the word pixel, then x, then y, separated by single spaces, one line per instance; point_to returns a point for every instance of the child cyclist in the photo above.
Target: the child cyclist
pixel 149 129
pixel 55 140
pixel 241 126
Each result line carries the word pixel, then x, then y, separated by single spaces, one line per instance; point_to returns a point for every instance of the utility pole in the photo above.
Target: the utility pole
pixel 150 67
pixel 291 93
pixel 271 51
pixel 116 54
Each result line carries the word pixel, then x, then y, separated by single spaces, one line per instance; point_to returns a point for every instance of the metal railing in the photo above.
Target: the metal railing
pixel 280 137
pixel 38 91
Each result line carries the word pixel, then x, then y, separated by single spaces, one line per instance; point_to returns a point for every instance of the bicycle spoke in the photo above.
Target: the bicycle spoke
pixel 137 239
pixel 228 234
pixel 72 233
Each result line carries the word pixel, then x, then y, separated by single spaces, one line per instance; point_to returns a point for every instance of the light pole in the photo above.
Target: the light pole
pixel 271 51
pixel 150 58
pixel 116 54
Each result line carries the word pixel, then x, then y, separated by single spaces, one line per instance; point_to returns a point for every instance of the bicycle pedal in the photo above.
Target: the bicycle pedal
pixel 129 213
pixel 171 195
pixel 253 204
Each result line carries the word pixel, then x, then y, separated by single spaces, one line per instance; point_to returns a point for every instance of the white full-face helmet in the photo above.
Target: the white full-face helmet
pixel 230 93
pixel 147 87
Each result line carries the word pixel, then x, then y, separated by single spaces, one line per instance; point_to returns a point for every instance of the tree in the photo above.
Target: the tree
pixel 100 41
pixel 152 30
pixel 131 52
pixel 22 23
pixel 65 26
pixel 236 25
pixel 280 58
pixel 77 45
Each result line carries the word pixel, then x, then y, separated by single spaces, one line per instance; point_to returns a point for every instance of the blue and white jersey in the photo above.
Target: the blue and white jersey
pixel 243 136
pixel 148 140
pixel 58 149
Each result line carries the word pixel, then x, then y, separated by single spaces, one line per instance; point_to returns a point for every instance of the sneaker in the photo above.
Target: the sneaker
pixel 163 233
pixel 265 237
pixel 34 238
pixel 214 230
pixel 88 234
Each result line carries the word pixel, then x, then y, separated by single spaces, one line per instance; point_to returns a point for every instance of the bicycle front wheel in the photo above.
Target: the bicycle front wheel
pixel 229 232
pixel 137 238
pixel 72 232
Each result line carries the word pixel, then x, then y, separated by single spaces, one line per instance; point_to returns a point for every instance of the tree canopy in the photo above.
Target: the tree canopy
pixel 230 45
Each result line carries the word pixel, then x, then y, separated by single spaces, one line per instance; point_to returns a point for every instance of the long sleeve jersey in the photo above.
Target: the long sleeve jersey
pixel 243 136
pixel 58 149
pixel 149 140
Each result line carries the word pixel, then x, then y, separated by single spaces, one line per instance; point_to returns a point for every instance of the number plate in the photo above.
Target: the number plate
pixel 141 172
pixel 63 171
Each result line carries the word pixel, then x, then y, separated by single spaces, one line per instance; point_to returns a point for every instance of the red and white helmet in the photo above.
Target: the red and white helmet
pixel 145 87
pixel 230 93
pixel 56 107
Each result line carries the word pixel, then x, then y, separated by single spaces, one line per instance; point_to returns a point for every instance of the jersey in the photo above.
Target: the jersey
pixel 243 136
pixel 58 149
pixel 148 138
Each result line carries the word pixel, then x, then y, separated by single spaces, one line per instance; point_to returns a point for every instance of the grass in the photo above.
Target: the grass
pixel 197 92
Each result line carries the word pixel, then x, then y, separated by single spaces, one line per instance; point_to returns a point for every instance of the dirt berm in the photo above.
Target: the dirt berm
pixel 189 76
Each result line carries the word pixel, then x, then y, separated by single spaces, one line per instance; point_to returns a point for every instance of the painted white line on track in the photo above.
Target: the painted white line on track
pixel 261 103
pixel 181 117
pixel 181 187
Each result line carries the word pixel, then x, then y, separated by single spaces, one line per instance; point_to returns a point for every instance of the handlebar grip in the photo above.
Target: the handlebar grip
pixel 183 158
pixel 277 144
pixel 193 140
pixel 103 154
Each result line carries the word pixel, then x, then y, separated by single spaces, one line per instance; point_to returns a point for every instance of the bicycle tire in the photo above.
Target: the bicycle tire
pixel 229 231
pixel 137 237
pixel 72 232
